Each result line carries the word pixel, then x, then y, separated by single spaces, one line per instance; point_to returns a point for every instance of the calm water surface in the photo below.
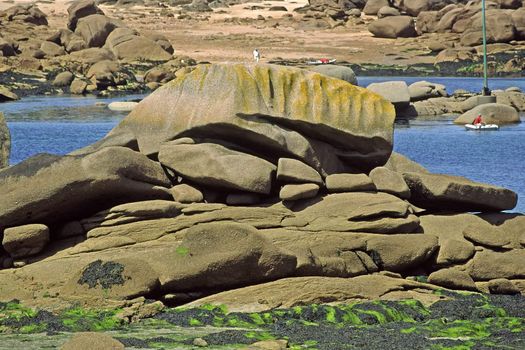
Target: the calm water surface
pixel 62 124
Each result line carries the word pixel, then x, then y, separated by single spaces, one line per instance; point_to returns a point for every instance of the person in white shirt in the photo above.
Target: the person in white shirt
pixel 256 55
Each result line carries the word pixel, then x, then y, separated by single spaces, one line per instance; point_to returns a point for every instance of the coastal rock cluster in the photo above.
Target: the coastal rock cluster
pixel 242 184
pixel 454 29
pixel 423 98
pixel 93 54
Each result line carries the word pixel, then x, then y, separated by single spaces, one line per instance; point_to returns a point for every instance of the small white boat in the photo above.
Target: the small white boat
pixel 481 127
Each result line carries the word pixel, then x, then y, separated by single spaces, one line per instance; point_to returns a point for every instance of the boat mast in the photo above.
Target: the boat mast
pixel 485 91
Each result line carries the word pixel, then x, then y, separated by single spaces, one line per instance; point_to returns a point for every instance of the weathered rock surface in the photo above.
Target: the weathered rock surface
pixel 28 13
pixel 352 211
pixel 51 49
pixel 26 240
pixel 270 107
pixel 486 235
pixel 393 27
pixel 394 91
pixel 401 252
pixel 209 250
pixel 389 181
pixel 95 29
pixel 294 171
pixel 7 95
pixel 487 265
pixel 79 9
pixel 216 165
pixel 372 7
pixel 454 192
pixel 63 79
pixel 349 183
pixel 112 175
pixel 300 191
pixel 452 251
pixel 314 290
pixel 184 193
pixel 502 286
pixel 127 44
pixel 452 278
pixel 216 182
pixel 422 90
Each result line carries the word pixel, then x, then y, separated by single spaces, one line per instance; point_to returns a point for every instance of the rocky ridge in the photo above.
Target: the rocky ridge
pixel 255 181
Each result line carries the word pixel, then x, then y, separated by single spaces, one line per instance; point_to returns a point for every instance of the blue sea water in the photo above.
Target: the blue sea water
pixel 60 125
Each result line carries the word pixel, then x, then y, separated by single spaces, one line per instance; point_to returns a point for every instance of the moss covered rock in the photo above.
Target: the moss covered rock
pixel 275 109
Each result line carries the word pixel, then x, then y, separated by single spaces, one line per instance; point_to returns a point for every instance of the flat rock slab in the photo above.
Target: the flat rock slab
pixel 313 290
pixel 349 183
pixel 296 192
pixel 217 166
pixel 133 212
pixel 446 192
pixel 354 211
pixel 486 235
pixel 294 171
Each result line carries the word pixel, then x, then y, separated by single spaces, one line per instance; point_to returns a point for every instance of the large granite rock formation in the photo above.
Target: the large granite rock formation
pixel 325 122
pixel 250 183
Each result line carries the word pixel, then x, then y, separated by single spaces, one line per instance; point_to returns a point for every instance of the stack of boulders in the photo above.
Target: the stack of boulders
pixel 256 181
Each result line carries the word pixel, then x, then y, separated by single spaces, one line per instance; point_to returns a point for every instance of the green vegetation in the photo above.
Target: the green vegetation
pixel 16 318
pixel 182 251
pixel 79 319
pixel 461 321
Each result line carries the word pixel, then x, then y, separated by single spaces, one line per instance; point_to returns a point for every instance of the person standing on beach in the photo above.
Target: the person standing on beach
pixel 256 55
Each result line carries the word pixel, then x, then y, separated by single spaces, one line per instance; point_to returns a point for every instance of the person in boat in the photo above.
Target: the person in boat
pixel 478 120
pixel 256 55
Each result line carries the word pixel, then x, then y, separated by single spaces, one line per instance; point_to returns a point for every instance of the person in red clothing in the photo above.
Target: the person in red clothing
pixel 478 120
